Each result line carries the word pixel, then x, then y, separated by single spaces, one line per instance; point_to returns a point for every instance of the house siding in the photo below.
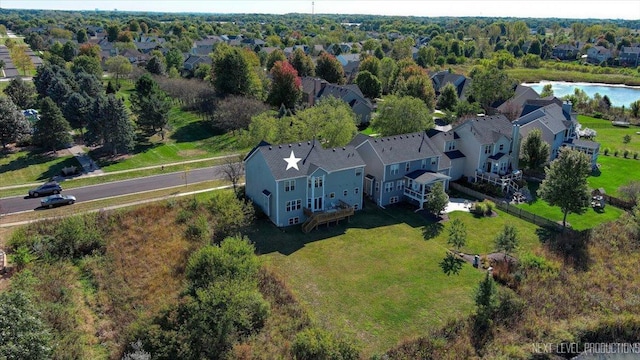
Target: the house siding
pixel 374 168
pixel 256 168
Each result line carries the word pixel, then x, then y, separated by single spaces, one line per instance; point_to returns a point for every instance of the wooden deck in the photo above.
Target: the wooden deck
pixel 507 182
pixel 315 219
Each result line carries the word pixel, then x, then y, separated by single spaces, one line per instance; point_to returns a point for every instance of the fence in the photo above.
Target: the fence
pixel 619 203
pixel 508 208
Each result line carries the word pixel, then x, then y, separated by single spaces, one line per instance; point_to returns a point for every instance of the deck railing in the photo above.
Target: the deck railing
pixel 315 219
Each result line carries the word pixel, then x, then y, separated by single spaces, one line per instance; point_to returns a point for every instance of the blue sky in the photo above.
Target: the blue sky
pixel 616 9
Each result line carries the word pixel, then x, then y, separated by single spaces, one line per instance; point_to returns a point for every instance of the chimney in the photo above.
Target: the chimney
pixel 567 108
pixel 515 146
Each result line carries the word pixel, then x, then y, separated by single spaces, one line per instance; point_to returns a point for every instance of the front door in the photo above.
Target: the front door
pixel 368 186
pixel 488 166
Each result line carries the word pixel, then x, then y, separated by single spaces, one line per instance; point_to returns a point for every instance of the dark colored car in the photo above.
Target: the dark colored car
pixel 57 200
pixel 46 189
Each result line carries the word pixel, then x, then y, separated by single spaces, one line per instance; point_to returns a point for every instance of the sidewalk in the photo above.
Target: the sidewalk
pixel 89 167
pixel 99 172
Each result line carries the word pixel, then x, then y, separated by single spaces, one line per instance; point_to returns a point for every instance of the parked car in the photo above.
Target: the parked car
pixel 49 188
pixel 57 200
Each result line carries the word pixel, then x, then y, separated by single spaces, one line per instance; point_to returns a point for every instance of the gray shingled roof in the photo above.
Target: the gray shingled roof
pixel 455 154
pixel 312 156
pixel 551 116
pixel 584 143
pixel 402 148
pixel 489 129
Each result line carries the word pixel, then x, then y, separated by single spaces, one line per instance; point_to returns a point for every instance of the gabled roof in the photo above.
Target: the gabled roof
pixel 426 177
pixel 550 116
pixel 406 147
pixel 488 129
pixel 516 102
pixel 311 156
pixel 343 92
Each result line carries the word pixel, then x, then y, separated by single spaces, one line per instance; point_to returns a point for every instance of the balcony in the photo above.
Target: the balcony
pixel 508 182
pixel 314 219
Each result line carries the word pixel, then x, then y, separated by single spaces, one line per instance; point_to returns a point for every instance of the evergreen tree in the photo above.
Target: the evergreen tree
pixel 150 105
pixel 13 124
pixel 24 334
pixel 68 51
pixel 111 126
pixel 156 66
pixel 77 110
pixel 59 91
pixel 22 93
pixel 111 89
pixel 51 128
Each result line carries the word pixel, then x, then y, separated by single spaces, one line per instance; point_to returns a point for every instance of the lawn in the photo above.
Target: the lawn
pixel 377 279
pixel 610 136
pixel 26 166
pixel 588 220
pixel 613 173
pixel 189 138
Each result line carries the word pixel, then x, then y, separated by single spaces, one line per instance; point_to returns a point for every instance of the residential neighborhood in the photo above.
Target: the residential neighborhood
pixel 287 180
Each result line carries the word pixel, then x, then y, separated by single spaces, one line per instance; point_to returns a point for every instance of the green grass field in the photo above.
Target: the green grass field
pixel 377 279
pixel 27 167
pixel 534 75
pixel 588 220
pixel 614 172
pixel 610 136
pixel 189 138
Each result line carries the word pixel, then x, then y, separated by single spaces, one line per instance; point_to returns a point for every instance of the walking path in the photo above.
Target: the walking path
pixel 88 165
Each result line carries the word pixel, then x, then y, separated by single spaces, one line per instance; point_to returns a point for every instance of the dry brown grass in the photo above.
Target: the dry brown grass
pixel 141 272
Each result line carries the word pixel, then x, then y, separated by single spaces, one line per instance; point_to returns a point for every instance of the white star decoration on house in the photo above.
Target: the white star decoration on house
pixel 292 161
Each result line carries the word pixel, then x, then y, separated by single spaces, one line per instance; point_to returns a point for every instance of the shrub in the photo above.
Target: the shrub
pixel 606 151
pixel 625 154
pixel 199 230
pixel 480 208
pixel 314 343
pixel 183 215
pixel 490 205
pixel 635 155
pixel 616 152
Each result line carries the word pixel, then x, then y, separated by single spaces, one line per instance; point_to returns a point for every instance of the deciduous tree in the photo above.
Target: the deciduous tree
pixel 286 86
pixel 174 59
pixel 400 115
pixel 13 124
pixel 88 64
pixel 490 85
pixel 235 112
pixel 24 334
pixel 273 57
pixel 507 241
pixel 120 66
pixel 388 74
pixel 535 151
pixel 565 184
pixel 438 199
pixel 156 66
pixel 232 73
pixel 329 69
pixel 20 58
pixel 302 63
pixel 448 98
pixel 457 234
pixel 370 64
pixel 369 84
pixel 51 128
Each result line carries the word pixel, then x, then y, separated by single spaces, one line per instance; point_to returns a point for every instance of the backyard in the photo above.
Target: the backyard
pixel 377 279
pixel 611 137
pixel 590 219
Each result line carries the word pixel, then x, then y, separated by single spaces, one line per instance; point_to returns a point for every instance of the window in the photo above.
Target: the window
pixel 487 149
pixel 308 203
pixel 345 193
pixel 433 161
pixel 309 183
pixel 289 185
pixel 355 206
pixel 332 195
pixel 294 220
pixel 318 182
pixel 501 147
pixel 451 145
pixel 377 186
pixel 407 167
pixel 358 172
pixel 293 205
pixel 388 187
pixel 395 168
pixel 356 191
pixel 399 185
pixel 393 200
pixel 423 164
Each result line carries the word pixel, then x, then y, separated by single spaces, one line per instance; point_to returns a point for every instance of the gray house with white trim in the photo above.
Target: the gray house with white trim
pixel 401 167
pixel 292 182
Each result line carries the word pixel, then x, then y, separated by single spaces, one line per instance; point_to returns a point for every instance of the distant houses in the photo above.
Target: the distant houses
pixel 314 89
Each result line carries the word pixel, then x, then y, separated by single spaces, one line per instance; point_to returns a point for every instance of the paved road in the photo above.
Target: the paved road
pixel 20 203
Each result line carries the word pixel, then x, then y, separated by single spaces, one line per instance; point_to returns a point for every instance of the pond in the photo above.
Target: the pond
pixel 618 94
